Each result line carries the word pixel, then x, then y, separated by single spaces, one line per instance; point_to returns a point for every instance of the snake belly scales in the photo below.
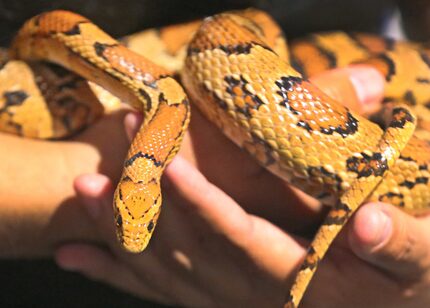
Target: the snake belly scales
pixel 235 67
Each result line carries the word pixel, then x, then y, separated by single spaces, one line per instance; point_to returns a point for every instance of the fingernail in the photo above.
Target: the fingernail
pixel 132 122
pixel 368 83
pixel 92 204
pixel 382 228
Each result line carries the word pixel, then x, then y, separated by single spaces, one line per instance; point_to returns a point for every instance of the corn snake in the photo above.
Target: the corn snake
pixel 259 101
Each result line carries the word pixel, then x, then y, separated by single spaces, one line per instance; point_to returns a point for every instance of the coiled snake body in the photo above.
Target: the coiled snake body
pixel 237 79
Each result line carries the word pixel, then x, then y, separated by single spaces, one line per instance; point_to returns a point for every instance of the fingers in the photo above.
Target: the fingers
pixel 96 193
pixel 208 201
pixel 257 238
pixel 359 87
pixel 132 122
pixel 101 265
pixel 141 274
pixel 392 240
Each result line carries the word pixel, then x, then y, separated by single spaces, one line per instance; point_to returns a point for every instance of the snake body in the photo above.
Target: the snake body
pixel 75 43
pixel 236 73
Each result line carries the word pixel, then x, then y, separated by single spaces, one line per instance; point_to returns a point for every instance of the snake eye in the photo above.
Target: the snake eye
pixel 119 220
pixel 150 226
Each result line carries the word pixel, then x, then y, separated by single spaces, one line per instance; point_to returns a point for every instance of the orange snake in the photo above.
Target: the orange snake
pixel 234 76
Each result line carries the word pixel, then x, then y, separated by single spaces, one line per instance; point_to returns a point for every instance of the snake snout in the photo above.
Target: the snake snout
pixel 136 207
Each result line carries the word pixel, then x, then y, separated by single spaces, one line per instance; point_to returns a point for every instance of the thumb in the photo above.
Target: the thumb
pixel 392 240
pixel 358 87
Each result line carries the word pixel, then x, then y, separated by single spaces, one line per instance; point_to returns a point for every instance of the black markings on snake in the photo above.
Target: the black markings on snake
pixel 120 195
pixel 425 58
pixel 237 88
pixel 405 158
pixel 100 48
pixel 237 49
pixel 350 127
pixel 73 31
pixel 400 117
pixel 328 177
pixel 285 85
pixel 257 30
pixel 339 215
pixel 365 166
pixel 390 198
pixel 147 98
pixel 192 50
pixel 242 48
pixel 409 97
pixel 423 80
pixel 388 42
pixel 304 125
pixel 390 64
pixel 298 66
pixel 418 180
pixel 311 261
pixel 139 154
pixel 327 54
pixel 342 207
pixel 13 98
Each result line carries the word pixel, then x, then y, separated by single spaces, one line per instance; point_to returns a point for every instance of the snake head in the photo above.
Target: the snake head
pixel 136 209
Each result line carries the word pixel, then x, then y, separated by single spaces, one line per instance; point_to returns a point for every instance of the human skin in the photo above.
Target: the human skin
pixel 198 256
pixel 39 208
pixel 209 252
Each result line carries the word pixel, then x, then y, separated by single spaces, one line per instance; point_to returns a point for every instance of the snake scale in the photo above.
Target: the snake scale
pixel 237 70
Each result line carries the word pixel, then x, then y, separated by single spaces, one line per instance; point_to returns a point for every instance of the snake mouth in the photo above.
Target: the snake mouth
pixel 133 238
pixel 133 245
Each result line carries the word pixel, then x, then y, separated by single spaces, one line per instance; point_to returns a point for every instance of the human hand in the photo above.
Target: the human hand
pixel 207 251
pixel 45 171
pixel 252 186
pixel 38 205
pixel 183 267
pixel 206 246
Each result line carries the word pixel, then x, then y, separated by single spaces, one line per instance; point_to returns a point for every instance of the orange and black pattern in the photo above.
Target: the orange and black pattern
pixel 236 72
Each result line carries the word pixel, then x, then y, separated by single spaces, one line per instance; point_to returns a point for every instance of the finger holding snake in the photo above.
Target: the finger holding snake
pixel 339 283
pixel 328 151
pixel 91 151
pixel 275 268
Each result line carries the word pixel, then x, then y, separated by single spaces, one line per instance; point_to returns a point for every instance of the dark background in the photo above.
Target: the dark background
pixel 120 17
pixel 39 283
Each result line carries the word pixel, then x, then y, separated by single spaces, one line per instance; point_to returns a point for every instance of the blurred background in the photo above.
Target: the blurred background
pixel 297 17
pixel 39 283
